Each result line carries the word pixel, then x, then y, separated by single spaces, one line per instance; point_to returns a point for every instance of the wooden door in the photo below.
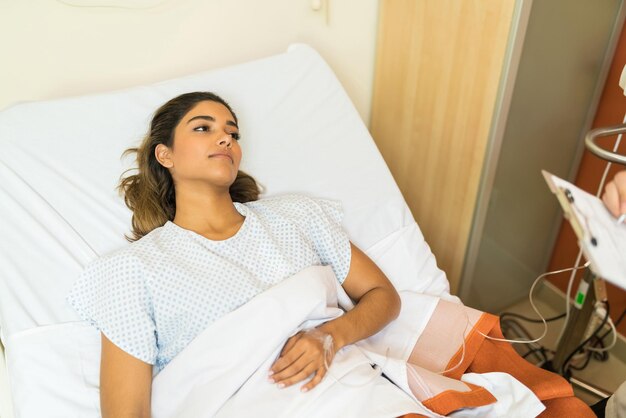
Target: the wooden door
pixel 438 68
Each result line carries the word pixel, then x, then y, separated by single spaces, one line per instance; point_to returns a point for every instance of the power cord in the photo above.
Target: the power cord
pixel 532 304
pixel 564 368
pixel 505 315
pixel 593 346
pixel 616 324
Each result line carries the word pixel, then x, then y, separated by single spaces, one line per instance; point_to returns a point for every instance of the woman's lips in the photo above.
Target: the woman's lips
pixel 228 157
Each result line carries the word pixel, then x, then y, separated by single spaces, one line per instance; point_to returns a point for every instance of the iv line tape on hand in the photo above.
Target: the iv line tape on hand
pixel 328 346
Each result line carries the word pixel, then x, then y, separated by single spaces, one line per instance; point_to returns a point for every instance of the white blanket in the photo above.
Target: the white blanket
pixel 223 372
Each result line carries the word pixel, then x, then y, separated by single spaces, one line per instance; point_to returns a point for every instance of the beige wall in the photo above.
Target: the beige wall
pixel 50 50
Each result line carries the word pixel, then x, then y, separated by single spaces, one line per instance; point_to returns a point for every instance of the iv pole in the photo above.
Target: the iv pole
pixel 582 313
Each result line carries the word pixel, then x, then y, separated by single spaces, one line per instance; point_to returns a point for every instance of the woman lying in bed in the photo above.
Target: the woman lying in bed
pixel 204 246
pixel 206 250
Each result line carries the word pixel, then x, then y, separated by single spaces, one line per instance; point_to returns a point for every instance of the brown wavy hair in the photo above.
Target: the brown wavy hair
pixel 150 193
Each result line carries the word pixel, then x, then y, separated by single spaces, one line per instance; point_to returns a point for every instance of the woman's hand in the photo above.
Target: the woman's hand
pixel 614 196
pixel 302 356
pixel 377 304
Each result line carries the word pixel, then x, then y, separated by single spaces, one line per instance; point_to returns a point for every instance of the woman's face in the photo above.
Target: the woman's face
pixel 205 148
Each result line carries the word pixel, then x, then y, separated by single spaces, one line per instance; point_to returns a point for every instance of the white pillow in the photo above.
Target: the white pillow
pixel 55 371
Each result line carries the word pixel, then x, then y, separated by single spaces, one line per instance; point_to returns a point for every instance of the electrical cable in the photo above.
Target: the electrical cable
pixel 512 325
pixel 582 345
pixel 532 304
pixel 520 330
pixel 601 338
pixel 462 347
pixel 568 292
pixel 527 319
pixel 509 325
pixel 616 324
pixel 533 351
pixel 610 346
pixel 603 356
pixel 541 350
pixel 589 351
pixel 585 364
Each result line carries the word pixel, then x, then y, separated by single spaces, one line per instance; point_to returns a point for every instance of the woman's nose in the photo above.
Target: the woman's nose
pixel 226 139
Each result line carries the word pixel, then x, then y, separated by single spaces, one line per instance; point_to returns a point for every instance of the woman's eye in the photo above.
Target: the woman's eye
pixel 201 128
pixel 235 136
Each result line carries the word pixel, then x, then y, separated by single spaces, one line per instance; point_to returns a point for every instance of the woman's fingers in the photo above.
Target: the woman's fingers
pixel 302 356
pixel 286 361
pixel 294 362
pixel 305 344
pixel 300 372
pixel 611 198
pixel 620 183
pixel 614 196
pixel 321 372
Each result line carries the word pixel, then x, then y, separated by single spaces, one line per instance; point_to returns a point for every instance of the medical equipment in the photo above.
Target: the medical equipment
pixel 603 245
pixel 598 151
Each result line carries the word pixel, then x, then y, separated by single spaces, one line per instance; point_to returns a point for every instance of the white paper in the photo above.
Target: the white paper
pixel 603 240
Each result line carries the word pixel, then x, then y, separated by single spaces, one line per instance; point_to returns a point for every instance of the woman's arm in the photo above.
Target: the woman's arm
pixel 377 304
pixel 125 383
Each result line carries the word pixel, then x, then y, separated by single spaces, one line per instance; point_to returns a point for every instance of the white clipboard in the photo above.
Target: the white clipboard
pixel 601 238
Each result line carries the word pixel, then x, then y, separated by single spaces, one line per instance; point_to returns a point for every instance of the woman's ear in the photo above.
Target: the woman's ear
pixel 163 156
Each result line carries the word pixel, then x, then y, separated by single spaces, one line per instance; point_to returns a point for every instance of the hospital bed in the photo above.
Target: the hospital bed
pixel 60 163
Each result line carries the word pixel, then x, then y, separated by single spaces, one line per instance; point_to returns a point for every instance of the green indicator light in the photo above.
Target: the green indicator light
pixel 580 298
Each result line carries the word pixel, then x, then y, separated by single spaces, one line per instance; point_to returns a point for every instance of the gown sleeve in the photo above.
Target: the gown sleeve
pixel 111 294
pixel 328 237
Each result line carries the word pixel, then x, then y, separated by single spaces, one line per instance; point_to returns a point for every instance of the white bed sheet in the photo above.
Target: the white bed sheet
pixel 61 162
pixel 6 405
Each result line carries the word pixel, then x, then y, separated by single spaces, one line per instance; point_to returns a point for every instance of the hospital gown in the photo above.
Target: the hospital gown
pixel 152 297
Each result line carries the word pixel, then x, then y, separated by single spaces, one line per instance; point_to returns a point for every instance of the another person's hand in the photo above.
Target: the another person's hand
pixel 614 196
pixel 302 356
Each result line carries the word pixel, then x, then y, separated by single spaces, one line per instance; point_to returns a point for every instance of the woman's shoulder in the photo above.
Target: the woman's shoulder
pixel 297 206
pixel 134 254
pixel 290 201
pixel 288 204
